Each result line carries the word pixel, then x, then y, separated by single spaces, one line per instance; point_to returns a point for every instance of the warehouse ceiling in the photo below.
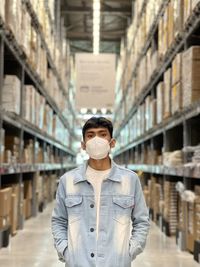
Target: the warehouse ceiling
pixel 78 20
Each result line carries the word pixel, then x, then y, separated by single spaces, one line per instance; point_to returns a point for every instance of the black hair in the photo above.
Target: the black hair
pixel 98 122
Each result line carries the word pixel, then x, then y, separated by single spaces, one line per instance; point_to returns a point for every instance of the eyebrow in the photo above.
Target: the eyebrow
pixel 100 131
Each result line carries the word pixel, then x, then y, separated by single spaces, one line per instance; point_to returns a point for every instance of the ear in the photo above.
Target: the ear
pixel 113 142
pixel 83 146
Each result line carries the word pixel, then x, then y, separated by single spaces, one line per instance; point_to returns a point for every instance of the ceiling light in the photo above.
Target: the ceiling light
pixel 96 25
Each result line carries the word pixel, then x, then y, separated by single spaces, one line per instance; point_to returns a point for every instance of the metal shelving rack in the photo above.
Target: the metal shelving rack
pixel 14 173
pixel 175 132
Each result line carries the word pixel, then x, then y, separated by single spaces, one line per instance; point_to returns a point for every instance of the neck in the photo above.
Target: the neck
pixel 100 165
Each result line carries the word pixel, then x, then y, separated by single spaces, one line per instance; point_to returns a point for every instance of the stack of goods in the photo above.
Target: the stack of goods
pixel 170 207
pixel 28 195
pixel 192 155
pixel 167 94
pixel 11 94
pixel 5 207
pixel 176 99
pixel 39 158
pixel 28 154
pixel 12 148
pixel 34 105
pixel 197 213
pixel 173 159
pixel 14 208
pixel 190 75
pixel 160 102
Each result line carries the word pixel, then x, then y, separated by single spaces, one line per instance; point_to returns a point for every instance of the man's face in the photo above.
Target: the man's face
pixel 100 132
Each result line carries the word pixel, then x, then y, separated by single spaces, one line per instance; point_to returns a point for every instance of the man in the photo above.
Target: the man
pixel 95 206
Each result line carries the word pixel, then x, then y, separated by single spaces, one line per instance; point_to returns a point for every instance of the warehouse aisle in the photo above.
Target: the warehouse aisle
pixel 33 247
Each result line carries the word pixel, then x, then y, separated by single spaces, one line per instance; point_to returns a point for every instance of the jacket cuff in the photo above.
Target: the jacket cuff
pixel 135 249
pixel 60 249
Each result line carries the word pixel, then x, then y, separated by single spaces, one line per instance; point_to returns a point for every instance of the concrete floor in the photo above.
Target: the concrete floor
pixel 33 247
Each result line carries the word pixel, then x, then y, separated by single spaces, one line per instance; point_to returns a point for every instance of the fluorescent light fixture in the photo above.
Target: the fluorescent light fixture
pixel 96 25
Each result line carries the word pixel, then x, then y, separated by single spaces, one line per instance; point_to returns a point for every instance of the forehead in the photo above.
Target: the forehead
pixel 97 130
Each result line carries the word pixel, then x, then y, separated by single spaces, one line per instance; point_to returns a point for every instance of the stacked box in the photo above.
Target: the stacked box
pixel 11 94
pixel 12 149
pixel 14 208
pixel 28 195
pixel 160 37
pixel 28 153
pixel 165 30
pixel 190 226
pixel 170 23
pixel 147 112
pixel 194 3
pixel 187 9
pixel 190 75
pixel 13 16
pixel 153 113
pixel 160 102
pixel 178 16
pixel 167 93
pixel 2 10
pixel 170 208
pixel 5 206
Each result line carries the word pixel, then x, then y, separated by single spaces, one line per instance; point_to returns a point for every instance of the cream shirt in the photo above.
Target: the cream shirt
pixel 96 178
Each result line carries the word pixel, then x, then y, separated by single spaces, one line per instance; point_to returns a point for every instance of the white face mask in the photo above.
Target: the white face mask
pixel 98 148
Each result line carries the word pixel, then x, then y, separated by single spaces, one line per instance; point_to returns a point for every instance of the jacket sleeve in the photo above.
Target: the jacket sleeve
pixel 59 221
pixel 140 222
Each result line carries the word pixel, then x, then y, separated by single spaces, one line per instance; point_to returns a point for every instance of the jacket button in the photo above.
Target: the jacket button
pixel 91 229
pixel 92 206
pixel 92 255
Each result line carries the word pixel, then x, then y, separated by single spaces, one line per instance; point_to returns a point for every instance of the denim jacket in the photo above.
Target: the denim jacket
pixel 123 219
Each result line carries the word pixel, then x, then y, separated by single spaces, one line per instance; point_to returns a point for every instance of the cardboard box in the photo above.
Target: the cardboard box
pixel 4 221
pixel 178 16
pixel 5 201
pixel 11 94
pixel 177 69
pixel 14 214
pixel 160 102
pixel 28 208
pixel 176 98
pixel 187 9
pixel 190 75
pixel 153 113
pixel 170 23
pixel 2 10
pixel 28 194
pixel 167 94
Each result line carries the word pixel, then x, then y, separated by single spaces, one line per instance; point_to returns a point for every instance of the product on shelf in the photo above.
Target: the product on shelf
pixel 2 10
pixel 190 75
pixel 173 159
pixel 11 94
pixel 167 94
pixel 192 155
pixel 12 149
pixel 28 195
pixel 170 206
pixel 178 16
pixel 28 153
pixel 160 101
pixel 187 9
pixel 5 206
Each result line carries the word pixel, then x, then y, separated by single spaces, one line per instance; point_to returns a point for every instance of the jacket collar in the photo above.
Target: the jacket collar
pixel 80 175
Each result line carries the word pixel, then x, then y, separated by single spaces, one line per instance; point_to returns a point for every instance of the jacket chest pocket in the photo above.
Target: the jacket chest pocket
pixel 74 205
pixel 122 208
